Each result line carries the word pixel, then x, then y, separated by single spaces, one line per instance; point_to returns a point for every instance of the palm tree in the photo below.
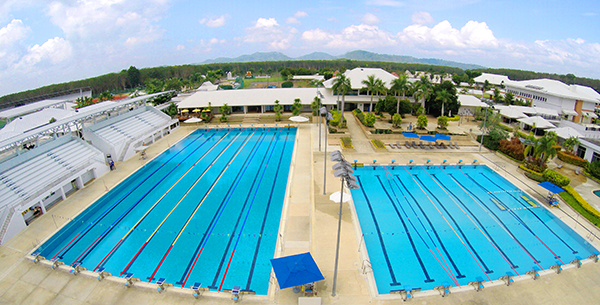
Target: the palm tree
pixel 373 85
pixel 343 85
pixel 570 144
pixel 443 96
pixel 484 88
pixel 423 91
pixel 400 84
pixel 545 147
pixel 529 143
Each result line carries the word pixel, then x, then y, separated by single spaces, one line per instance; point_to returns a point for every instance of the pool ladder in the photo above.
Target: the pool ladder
pixel 366 267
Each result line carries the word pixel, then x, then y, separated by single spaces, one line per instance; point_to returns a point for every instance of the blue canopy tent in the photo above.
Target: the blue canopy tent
pixel 296 270
pixel 428 138
pixel 410 135
pixel 553 189
pixel 442 137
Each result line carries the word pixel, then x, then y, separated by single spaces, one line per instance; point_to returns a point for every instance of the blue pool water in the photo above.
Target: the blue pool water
pixel 206 210
pixel 437 226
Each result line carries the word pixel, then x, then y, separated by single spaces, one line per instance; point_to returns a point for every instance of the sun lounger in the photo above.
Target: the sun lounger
pixel 398 145
pixel 421 145
pixel 391 145
pixel 407 144
pixel 430 146
pixel 414 145
pixel 442 145
pixel 456 145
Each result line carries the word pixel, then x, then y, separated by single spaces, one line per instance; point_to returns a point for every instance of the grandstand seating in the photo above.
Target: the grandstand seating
pixel 132 127
pixel 28 178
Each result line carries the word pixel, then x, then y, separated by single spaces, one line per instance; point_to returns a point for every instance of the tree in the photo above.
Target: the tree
pixel 296 107
pixel 106 96
pixel 171 110
pixel 315 105
pixel 278 110
pixel 400 85
pixel 423 91
pixel 443 96
pixel 225 111
pixel 373 85
pixel 396 120
pixel 133 77
pixel 422 122
pixel 442 122
pixel 370 119
pixel 343 85
pixel 497 96
pixel 83 101
pixel 570 144
pixel 484 88
pixel 529 142
pixel 544 148
pixel 509 99
pixel 173 84
pixel 153 85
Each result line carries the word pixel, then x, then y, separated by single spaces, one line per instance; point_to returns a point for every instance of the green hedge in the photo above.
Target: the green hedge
pixel 556 178
pixel 571 159
pixel 454 118
pixel 521 166
pixel 287 84
pixel 377 143
pixel 535 176
pixel 580 205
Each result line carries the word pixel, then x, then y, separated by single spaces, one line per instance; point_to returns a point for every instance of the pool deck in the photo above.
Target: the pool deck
pixel 309 223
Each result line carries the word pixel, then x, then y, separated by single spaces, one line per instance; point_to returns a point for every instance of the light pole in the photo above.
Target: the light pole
pixel 484 121
pixel 327 118
pixel 343 169
pixel 320 112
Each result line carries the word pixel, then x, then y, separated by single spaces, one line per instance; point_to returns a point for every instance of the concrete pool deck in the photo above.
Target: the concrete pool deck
pixel 309 223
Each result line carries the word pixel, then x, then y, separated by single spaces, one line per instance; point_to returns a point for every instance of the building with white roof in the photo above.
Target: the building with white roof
pixel 494 79
pixel 468 104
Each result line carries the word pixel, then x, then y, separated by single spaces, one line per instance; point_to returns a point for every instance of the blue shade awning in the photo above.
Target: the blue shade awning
pixel 428 138
pixel 551 187
pixel 442 137
pixel 410 135
pixel 296 270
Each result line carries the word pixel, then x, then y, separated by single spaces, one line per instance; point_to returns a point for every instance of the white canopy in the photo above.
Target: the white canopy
pixel 569 112
pixel 538 121
pixel 590 115
pixel 512 113
pixel 566 132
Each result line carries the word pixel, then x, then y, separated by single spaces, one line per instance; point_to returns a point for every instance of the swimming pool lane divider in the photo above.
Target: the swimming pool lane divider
pixel 479 225
pixel 458 273
pixel 217 214
pixel 428 279
pixel 163 221
pixel 253 152
pixel 534 214
pixel 264 221
pixel 520 220
pixel 101 216
pixel 496 218
pixel 245 219
pixel 468 246
pixel 120 242
pixel 102 235
pixel 390 179
pixel 445 219
pixel 385 254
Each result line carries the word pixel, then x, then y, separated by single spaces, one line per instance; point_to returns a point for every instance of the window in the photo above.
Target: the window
pixel 581 152
pixel 595 157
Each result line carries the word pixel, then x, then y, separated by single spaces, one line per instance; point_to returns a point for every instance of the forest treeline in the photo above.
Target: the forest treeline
pixel 131 78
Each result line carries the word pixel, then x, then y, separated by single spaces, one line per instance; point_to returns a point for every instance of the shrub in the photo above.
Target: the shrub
pixel 422 121
pixel 556 178
pixel 336 117
pixel 383 131
pixel 287 84
pixel 377 143
pixel 370 120
pixel 535 177
pixel 226 87
pixel 594 169
pixel 347 142
pixel 571 159
pixel 454 118
pixel 521 166
pixel 535 164
pixel 396 120
pixel 442 122
pixel 359 115
pixel 513 148
pixel 580 205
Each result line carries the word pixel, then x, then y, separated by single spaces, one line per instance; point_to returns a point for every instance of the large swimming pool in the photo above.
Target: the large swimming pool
pixel 428 226
pixel 206 210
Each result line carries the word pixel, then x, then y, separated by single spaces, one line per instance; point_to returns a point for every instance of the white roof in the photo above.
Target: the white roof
pixel 569 112
pixel 589 114
pixel 538 121
pixel 357 75
pixel 310 77
pixel 494 79
pixel 255 97
pixel 17 111
pixel 566 132
pixel 512 113
pixel 471 101
pixel 208 86
pixel 557 88
pixel 34 120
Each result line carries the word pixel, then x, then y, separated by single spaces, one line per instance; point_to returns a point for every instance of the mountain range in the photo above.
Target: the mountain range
pixel 358 55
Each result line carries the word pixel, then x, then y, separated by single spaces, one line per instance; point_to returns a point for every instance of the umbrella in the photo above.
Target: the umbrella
pixel 141 148
pixel 335 197
pixel 184 111
pixel 196 110
pixel 296 270
pixel 193 120
pixel 299 119
pixel 428 138
pixel 442 137
pixel 410 135
pixel 551 187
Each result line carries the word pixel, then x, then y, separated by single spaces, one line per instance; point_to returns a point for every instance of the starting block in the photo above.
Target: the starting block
pixel 197 288
pixel 55 263
pixel 102 274
pixel 508 279
pixel 162 286
pixel 77 268
pixel 235 293
pixel 577 261
pixel 534 273
pixel 444 289
pixel 478 284
pixel 37 257
pixel 594 257
pixel 130 280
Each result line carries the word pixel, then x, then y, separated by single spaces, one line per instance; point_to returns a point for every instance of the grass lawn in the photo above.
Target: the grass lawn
pixel 569 199
pixel 249 81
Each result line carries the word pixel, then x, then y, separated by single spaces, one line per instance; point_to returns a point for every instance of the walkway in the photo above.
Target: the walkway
pixel 359 140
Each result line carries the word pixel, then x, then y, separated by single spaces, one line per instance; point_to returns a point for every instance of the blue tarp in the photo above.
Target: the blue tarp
pixel 428 138
pixel 442 137
pixel 551 187
pixel 296 270
pixel 410 135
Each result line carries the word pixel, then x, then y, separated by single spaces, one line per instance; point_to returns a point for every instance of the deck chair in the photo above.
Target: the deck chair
pixel 430 146
pixel 407 144
pixel 398 145
pixel 414 145
pixel 442 145
pixel 391 145
pixel 456 145
pixel 421 145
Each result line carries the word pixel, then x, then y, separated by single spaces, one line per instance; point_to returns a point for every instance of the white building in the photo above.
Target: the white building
pixel 493 79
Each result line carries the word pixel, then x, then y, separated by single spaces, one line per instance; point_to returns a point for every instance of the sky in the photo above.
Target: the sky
pixel 44 42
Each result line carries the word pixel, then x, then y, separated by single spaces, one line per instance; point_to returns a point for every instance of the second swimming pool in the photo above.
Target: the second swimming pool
pixel 428 226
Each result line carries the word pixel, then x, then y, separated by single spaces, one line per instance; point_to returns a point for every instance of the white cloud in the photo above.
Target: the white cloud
pixel 474 35
pixel 180 47
pixel 369 18
pixel 352 37
pixel 391 3
pixel 12 33
pixel 294 19
pixel 422 18
pixel 216 22
pixel 53 51
pixel 332 19
pixel 268 30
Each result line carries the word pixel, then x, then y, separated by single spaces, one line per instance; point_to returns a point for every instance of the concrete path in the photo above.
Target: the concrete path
pixel 359 140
